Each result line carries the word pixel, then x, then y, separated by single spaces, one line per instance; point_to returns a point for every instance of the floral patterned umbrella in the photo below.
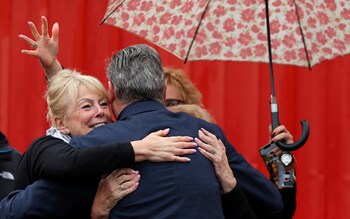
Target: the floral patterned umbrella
pixel 303 32
pixel 295 32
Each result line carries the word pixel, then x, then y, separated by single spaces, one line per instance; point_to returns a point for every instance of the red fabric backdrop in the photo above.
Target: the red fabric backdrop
pixel 237 94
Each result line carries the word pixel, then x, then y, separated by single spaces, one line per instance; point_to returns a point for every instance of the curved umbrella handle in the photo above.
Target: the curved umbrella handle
pixel 300 142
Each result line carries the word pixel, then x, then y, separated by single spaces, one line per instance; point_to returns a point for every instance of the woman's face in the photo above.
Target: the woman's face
pixel 90 111
pixel 173 95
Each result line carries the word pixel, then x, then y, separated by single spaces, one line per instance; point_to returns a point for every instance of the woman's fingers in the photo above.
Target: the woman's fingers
pixel 203 145
pixel 112 188
pixel 123 181
pixel 122 174
pixel 287 137
pixel 129 185
pixel 210 142
pixel 161 133
pixel 169 148
pixel 281 133
pixel 55 32
pixel 31 42
pixel 279 129
pixel 44 26
pixel 175 142
pixel 27 39
pixel 178 140
pixel 206 154
pixel 207 136
pixel 34 31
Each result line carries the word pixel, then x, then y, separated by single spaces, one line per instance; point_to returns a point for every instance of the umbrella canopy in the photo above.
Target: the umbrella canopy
pixel 297 32
pixel 303 32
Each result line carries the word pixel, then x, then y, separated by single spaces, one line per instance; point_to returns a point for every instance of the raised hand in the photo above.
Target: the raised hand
pixel 45 48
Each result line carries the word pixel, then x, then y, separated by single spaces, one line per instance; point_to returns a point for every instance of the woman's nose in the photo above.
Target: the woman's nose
pixel 100 111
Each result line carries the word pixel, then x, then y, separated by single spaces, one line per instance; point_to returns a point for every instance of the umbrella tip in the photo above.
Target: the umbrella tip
pixel 104 19
pixel 309 66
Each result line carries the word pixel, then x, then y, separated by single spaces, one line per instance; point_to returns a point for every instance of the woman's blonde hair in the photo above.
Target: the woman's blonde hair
pixel 189 92
pixel 194 110
pixel 63 89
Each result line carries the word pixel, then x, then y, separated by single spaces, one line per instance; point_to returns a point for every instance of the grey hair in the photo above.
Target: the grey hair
pixel 136 73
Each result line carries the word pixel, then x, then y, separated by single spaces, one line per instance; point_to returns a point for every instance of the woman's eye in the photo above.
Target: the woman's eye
pixel 104 104
pixel 87 106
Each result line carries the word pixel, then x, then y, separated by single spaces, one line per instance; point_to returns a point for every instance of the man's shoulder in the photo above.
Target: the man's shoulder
pixel 102 134
pixel 214 128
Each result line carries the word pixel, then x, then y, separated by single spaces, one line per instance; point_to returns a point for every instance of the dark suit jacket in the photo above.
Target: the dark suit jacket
pixel 169 190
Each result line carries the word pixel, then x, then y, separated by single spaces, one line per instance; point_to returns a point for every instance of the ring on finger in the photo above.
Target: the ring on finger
pixel 122 187
pixel 213 152
pixel 35 45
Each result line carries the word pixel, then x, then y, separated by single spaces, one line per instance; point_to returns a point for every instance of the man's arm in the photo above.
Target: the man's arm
pixel 262 194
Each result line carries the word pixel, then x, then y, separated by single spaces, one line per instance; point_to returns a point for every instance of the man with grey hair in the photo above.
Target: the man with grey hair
pixel 168 190
pixel 136 73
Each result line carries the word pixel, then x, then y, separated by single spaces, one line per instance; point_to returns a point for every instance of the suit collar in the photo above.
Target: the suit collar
pixel 140 107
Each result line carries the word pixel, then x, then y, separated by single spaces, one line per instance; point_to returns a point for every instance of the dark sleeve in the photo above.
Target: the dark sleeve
pixel 262 194
pixel 52 158
pixel 48 199
pixel 236 206
pixel 9 160
pixel 289 200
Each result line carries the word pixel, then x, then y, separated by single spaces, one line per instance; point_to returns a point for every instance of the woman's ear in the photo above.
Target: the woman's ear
pixel 60 125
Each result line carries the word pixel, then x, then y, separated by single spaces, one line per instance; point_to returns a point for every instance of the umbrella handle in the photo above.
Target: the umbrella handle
pixel 300 142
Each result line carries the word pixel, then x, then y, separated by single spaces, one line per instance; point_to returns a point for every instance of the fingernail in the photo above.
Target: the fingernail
pixel 190 138
pixel 201 149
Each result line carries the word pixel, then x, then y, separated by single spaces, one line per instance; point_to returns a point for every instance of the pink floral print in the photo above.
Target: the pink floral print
pixel 236 30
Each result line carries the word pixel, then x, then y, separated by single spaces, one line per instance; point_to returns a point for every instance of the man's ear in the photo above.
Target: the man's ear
pixel 111 92
pixel 164 91
pixel 60 125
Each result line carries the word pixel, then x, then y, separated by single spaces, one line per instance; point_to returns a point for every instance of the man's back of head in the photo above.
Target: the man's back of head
pixel 136 73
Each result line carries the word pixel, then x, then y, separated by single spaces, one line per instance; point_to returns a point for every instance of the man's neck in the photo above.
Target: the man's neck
pixel 118 107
